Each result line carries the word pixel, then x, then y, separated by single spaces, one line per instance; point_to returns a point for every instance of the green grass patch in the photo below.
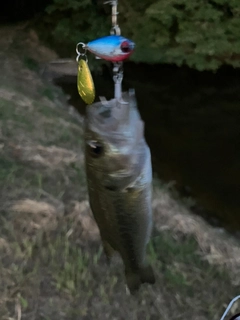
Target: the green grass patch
pixel 30 63
pixel 177 259
pixel 13 118
pixel 46 111
pixel 47 92
pixel 78 282
pixel 69 264
pixel 9 170
pixel 9 110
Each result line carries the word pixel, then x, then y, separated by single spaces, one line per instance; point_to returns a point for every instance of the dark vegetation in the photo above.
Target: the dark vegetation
pixel 203 34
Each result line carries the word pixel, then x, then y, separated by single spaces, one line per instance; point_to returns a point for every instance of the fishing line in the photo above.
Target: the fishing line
pixel 230 306
pixel 117 67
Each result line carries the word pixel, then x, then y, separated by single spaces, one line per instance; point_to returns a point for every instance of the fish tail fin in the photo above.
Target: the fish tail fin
pixel 135 279
pixel 147 275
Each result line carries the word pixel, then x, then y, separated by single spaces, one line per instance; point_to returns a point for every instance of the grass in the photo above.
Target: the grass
pixel 47 92
pixel 30 63
pixel 52 265
pixel 182 266
pixel 10 113
pixel 56 267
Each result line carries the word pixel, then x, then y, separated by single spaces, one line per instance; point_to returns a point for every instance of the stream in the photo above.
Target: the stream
pixel 192 127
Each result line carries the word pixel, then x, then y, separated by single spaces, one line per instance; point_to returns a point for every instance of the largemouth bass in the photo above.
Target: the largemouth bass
pixel 119 177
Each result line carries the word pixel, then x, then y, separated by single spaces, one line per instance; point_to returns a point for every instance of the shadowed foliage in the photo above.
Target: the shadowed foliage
pixel 201 34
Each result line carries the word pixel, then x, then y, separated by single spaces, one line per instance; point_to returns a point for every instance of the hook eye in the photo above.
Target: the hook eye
pixel 116 31
pixel 81 54
pixel 83 47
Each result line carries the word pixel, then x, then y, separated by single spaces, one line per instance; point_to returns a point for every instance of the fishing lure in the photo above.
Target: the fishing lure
pixel 85 83
pixel 113 48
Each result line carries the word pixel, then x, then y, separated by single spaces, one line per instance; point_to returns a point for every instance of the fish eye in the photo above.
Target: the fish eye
pixel 125 47
pixel 95 149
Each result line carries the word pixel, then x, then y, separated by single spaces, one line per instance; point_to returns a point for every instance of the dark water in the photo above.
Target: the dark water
pixel 192 125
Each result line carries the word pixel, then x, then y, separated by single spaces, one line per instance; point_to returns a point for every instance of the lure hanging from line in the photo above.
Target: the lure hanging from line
pixel 113 48
pixel 85 83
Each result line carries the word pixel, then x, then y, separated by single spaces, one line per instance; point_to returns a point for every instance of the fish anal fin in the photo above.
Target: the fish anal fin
pixel 108 250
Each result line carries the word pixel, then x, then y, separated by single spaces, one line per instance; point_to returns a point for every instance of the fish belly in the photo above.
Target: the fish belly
pixel 125 223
